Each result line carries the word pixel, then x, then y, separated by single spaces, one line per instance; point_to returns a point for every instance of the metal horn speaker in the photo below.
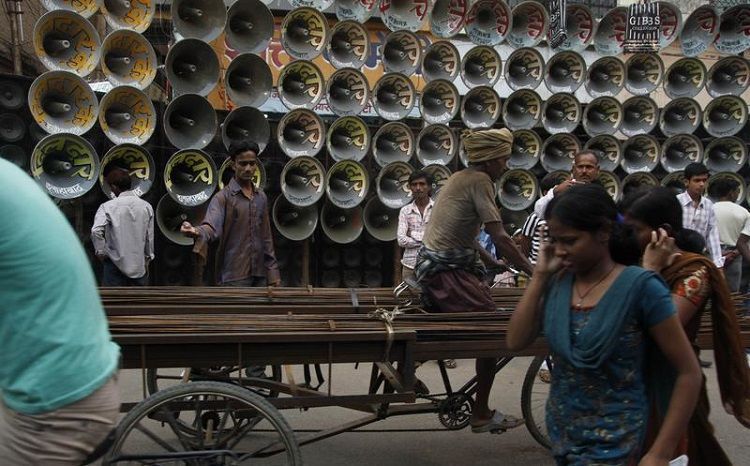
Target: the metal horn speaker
pixel 561 113
pixel 404 14
pixel 607 149
pixel 565 72
pixel 517 189
pixel 640 153
pixel 524 69
pixel 249 26
pixel 135 15
pixel 733 38
pixel 62 102
pixel 66 41
pixel 303 181
pixel 700 31
pixel 685 78
pixel 480 107
pixel 580 28
pixel 190 122
pixel 294 222
pixel 12 127
pixel 674 181
pixel 85 8
pixel 670 18
pixel 602 115
pixel 393 142
pixel 481 66
pixel 381 221
pixel 199 19
pixel 638 180
pixel 347 183
pixel 226 173
pixel 304 33
pixel 355 10
pixel 727 154
pixel 127 116
pixel 190 177
pixel 439 102
pixel 439 174
pixel 348 92
pixel 723 176
pixel 643 73
pixel 349 46
pixel 401 52
pixel 558 152
pixel 128 59
pixel 530 24
pixel 611 183
pixel 192 67
pixel 526 149
pixel 300 85
pixel 243 124
pixel 513 219
pixel 728 76
pixel 605 77
pixel 488 22
pixel 522 109
pixel 341 226
pixel 725 116
pixel 393 96
pixel 392 184
pixel 301 132
pixel 609 39
pixel 348 138
pixel 65 165
pixel 436 145
pixel 679 151
pixel 169 218
pixel 315 4
pixel 136 160
pixel 248 80
pixel 12 92
pixel 441 60
pixel 680 116
pixel 641 115
pixel 448 17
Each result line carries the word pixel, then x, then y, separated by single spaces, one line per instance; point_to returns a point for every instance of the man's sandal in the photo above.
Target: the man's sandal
pixel 498 424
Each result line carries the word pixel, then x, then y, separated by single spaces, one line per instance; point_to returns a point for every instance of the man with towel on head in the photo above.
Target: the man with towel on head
pixel 450 265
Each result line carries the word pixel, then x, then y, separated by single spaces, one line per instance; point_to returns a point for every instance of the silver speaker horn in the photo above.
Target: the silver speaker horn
pixel 401 52
pixel 480 108
pixel 530 24
pixel 606 77
pixel 190 177
pixel 303 181
pixel 670 18
pixel 304 33
pixel 679 151
pixel 439 174
pixel 199 19
pixel 680 116
pixel 674 181
pixel 727 154
pixel 300 85
pixel 136 160
pixel 85 8
pixel 248 80
pixel 517 189
pixel 609 39
pixel 638 180
pixel 128 59
pixel 565 72
pixel 439 102
pixel 441 61
pixel 125 14
pixel 522 110
pixel 381 221
pixel 349 46
pixel 640 153
pixel 728 76
pixel 314 4
pixel 488 22
pixel 607 149
pixel 733 38
pixel 355 10
pixel 348 139
pixel 65 165
pixel 169 218
pixel 558 152
pixel 393 96
pixel 448 17
pixel 685 78
pixel 561 113
pixel 524 69
pixel 393 142
pixel 436 144
pixel 580 28
pixel 66 41
pixel 15 154
pixel 341 226
pixel 292 221
pixel 301 132
pixel 192 67
pixel 723 176
pixel 246 123
pixel 127 116
pixel 700 31
pixel 643 73
pixel 392 184
pixel 641 115
pixel 602 115
pixel 526 149
pixel 348 92
pixel 226 173
pixel 249 26
pixel 62 102
pixel 190 122
pixel 725 116
pixel 481 66
pixel 347 183
pixel 404 14
pixel 611 183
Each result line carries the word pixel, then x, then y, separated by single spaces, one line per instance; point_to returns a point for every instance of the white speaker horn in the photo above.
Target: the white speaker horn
pixel 732 39
pixel 436 145
pixel 724 176
pixel 66 166
pixel 680 116
pixel 517 189
pixel 300 85
pixel 565 72
pixel 679 151
pixel 190 122
pixel 249 26
pixel 304 33
pixel 481 66
pixel 401 52
pixel 248 80
pixel 341 226
pixel 301 132
pixel 349 46
pixel 448 17
pixel 439 174
pixel 640 116
pixel 348 92
pixel 670 18
pixel 355 10
pixel 530 24
pixel 169 218
pixel 347 184
pixel 559 151
pixel 66 41
pixel 126 14
pixel 526 150
pixel 726 154
pixel 348 139
pixel 729 76
pixel 190 177
pixel 392 184
pixel 439 102
pixel 700 31
pixel 134 159
pixel 643 73
pixel 393 96
pixel 127 116
pixel 192 67
pixel 522 110
pixel 303 181
pixel 580 28
pixel 406 15
pixel 480 108
pixel 607 149
pixel 685 78
pixel 605 77
pixel 609 39
pixel 243 124
pixel 602 115
pixel 128 59
pixel 640 154
pixel 294 222
pixel 199 19
pixel 62 102
pixel 393 142
pixel 725 116
pixel 381 221
pixel 488 22
pixel 674 181
pixel 611 183
pixel 638 180
pixel 561 113
pixel 441 61
pixel 85 8
pixel 524 69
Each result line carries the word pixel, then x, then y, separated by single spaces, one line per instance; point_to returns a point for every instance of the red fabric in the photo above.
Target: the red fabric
pixel 458 291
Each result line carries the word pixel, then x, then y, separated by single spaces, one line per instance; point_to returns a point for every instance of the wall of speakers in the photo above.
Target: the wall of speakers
pixel 347 184
pixel 128 59
pixel 304 33
pixel 517 189
pixel 530 24
pixel 392 184
pixel 300 85
pixel 524 69
pixel 65 165
pixel 481 66
pixel 681 115
pixel 439 102
pixel 480 108
pixel 348 139
pixel 606 77
pixel 447 17
pixel 190 122
pixel 726 154
pixel 66 41
pixel 245 123
pixel 526 149
pixel 522 109
pixel 393 142
pixel 679 151
pixel 190 177
pixel 436 144
pixel 62 102
pixel 640 154
pixel 393 96
pixel 199 19
pixel 349 46
pixel 685 78
pixel 558 152
pixel 294 222
pixel 348 92
pixel 401 53
pixel 441 60
pixel 248 80
pixel 136 160
pixel 249 26
pixel 488 22
pixel 301 132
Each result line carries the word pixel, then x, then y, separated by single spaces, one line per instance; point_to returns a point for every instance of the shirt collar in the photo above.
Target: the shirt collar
pixel 413 206
pixel 685 199
pixel 234 186
pixel 127 194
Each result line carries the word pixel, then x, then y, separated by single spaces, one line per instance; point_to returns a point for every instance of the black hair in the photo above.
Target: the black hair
pixel 548 182
pixel 237 148
pixel 419 174
pixel 120 178
pixel 695 169
pixel 724 187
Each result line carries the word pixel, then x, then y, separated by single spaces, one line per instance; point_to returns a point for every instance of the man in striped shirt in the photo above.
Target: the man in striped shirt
pixel 698 211
pixel 412 221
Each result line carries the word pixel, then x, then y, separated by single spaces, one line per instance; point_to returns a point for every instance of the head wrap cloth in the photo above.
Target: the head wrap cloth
pixel 487 144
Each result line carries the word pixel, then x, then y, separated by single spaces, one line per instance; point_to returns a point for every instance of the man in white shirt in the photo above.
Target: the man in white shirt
pixel 733 222
pixel 585 170
pixel 412 221
pixel 698 210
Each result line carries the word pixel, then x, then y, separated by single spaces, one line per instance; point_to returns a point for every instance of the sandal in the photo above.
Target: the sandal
pixel 498 424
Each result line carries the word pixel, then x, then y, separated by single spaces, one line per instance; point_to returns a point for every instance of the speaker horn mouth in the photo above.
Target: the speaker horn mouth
pixel 670 18
pixel 66 41
pixel 190 177
pixel 680 116
pixel 62 102
pixel 640 154
pixel 522 110
pixel 725 154
pixel 199 19
pixel 637 180
pixel 441 60
pixel 526 150
pixel 530 25
pixel 401 52
pixel 644 73
pixel 517 189
pixel 729 76
pixel 439 102
pixel 524 69
pixel 248 80
pixel 607 149
pixel 65 165
pixel 602 116
pixel 725 116
pixel 304 33
pixel 347 184
pixel 488 22
pixel 394 96
pixel 127 14
pixel 294 222
pixel 685 78
pixel 436 144
pixel 562 113
pixel 674 181
pixel 404 14
pixel 128 59
pixel 605 77
pixel 481 66
pixel 565 72
pixel 190 122
pixel 558 152
pixel 439 174
pixel 169 218
pixel 579 28
pixel 136 160
pixel 349 46
pixel 348 139
pixel 393 142
pixel 679 151
pixel 381 221
pixel 640 116
pixel 244 123
pixel 611 184
pixel 300 85
pixel 303 181
pixel 448 17
pixel 480 108
pixel 392 184
pixel 700 31
pixel 609 39
pixel 355 10
pixel 127 116
pixel 732 39
pixel 723 176
pixel 341 226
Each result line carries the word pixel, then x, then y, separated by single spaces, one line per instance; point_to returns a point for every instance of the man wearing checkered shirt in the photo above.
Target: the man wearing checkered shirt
pixel 698 210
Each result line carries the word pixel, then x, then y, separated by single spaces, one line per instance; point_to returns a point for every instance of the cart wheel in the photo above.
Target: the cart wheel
pixel 455 411
pixel 228 425
pixel 159 379
pixel 534 394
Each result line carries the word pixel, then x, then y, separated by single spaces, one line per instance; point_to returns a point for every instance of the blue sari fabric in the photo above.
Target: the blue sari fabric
pixel 598 406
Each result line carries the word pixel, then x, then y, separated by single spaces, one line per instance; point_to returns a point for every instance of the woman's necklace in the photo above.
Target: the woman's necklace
pixel 582 296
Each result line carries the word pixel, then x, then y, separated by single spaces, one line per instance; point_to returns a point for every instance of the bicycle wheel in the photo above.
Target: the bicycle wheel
pixel 228 425
pixel 534 394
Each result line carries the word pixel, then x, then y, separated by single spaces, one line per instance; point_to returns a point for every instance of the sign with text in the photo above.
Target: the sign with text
pixel 643 26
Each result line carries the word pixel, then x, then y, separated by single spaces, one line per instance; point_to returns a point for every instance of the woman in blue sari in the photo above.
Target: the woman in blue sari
pixel 599 315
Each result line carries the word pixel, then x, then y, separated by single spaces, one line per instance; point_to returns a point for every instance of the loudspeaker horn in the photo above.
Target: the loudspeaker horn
pixel 603 115
pixel 355 10
pixel 62 102
pixel 341 226
pixel 393 96
pixel 526 149
pixel 199 19
pixel 640 153
pixel 347 183
pixel 226 173
pixel 679 151
pixel 670 19
pixel 448 17
pixel 303 180
pixel 12 127
pixel 127 116
pixel 304 33
pixel 638 180
pixel 565 72
pixel 12 92
pixel 580 28
pixel 190 177
pixel 301 132
pixel 607 149
pixel 348 92
pixel 349 46
pixel 522 109
pixel 728 76
pixel 480 107
pixel 441 61
pixel 243 124
pixel 700 31
pixel 558 152
pixel 725 116
pixel 393 142
pixel 85 8
pixel 685 78
pixel 381 221
pixel 674 181
pixel 439 174
pixel 300 85
pixel 401 52
pixel 723 176
pixel 732 38
pixel 611 183
pixel 65 165
pixel 248 80
pixel 727 154
pixel 15 154
pixel 169 218
pixel 439 102
pixel 488 22
pixel 314 4
pixel 517 189
pixel 513 219
pixel 643 73
pixel 524 69
pixel 605 77
pixel 127 14
pixel 641 114
pixel 190 122
pixel 392 184
pixel 294 222
pixel 348 139
pixel 436 144
pixel 406 15
pixel 128 59
pixel 66 41
pixel 680 116
pixel 609 39
pixel 481 66
pixel 192 67
pixel 561 114
pixel 530 24
pixel 249 26
pixel 138 163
